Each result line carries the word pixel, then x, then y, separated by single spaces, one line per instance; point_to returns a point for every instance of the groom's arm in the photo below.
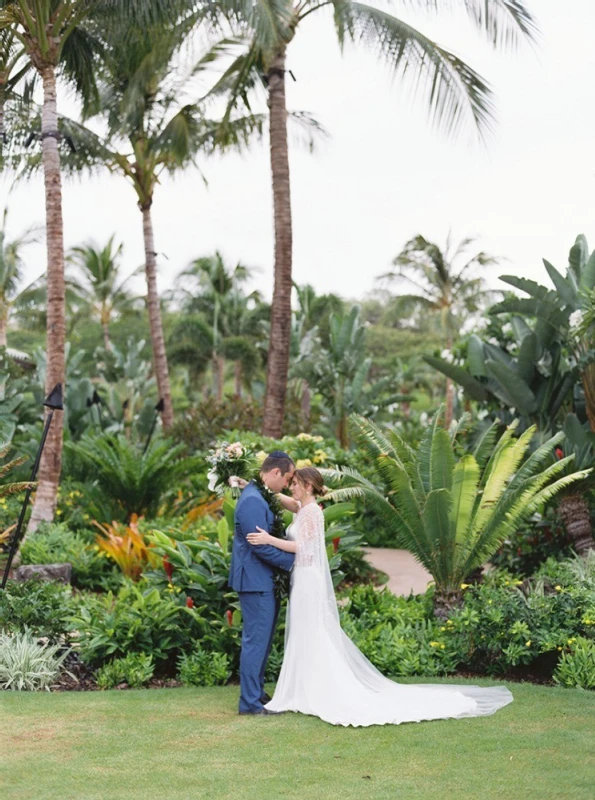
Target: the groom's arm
pixel 254 516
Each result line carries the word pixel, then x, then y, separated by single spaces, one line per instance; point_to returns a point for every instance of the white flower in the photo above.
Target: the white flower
pixel 447 355
pixel 493 341
pixel 507 328
pixel 423 417
pixel 576 319
pixel 212 476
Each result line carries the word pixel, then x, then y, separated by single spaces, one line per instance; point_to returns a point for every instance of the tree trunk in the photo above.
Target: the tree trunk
pixel 575 515
pixel 3 327
pixel 106 340
pixel 51 462
pixel 588 380
pixel 448 414
pixel 220 366
pixel 280 335
pixel 306 403
pixel 238 378
pixel 446 601
pixel 157 338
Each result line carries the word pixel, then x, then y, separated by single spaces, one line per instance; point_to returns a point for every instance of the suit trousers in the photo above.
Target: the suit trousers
pixel 259 616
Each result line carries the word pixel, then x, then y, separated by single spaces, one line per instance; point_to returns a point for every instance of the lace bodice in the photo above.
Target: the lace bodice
pixel 307 530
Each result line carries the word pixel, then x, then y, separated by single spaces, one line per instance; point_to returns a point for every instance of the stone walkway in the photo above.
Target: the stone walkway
pixel 405 574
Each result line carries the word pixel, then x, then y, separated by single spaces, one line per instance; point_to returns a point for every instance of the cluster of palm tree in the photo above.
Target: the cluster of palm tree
pixel 123 57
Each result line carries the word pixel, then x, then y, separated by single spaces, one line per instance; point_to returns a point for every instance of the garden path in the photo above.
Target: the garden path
pixel 405 574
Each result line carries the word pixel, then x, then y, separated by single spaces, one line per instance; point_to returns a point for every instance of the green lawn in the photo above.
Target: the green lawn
pixel 190 743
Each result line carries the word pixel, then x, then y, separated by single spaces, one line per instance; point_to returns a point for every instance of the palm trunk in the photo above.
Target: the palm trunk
pixel 575 515
pixel 157 338
pixel 106 340
pixel 51 462
pixel 588 381
pixel 220 366
pixel 448 414
pixel 280 335
pixel 3 327
pixel 238 378
pixel 306 403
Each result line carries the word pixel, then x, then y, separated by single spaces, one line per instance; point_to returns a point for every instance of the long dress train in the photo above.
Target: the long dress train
pixel 325 675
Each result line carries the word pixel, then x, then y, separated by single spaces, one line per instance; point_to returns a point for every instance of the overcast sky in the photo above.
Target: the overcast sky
pixel 384 175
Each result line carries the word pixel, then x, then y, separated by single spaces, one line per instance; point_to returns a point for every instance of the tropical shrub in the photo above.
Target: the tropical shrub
pixel 56 544
pixel 506 624
pixel 201 668
pixel 125 545
pixel 42 608
pixel 133 621
pixel 138 481
pixel 576 668
pixel 136 670
pixel 536 539
pixel 400 636
pixel 453 512
pixel 26 664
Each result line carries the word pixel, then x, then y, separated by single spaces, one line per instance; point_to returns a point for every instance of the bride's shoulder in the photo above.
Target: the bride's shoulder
pixel 310 510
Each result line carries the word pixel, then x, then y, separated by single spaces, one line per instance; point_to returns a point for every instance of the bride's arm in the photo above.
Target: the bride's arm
pixel 265 538
pixel 289 503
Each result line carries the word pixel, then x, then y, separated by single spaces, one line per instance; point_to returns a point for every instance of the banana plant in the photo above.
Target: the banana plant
pixel 452 513
pixel 559 313
pixel 534 383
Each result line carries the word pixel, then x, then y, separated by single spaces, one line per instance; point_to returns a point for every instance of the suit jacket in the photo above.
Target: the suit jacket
pixel 253 567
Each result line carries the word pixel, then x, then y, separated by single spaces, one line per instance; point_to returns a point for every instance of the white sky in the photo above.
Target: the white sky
pixel 384 175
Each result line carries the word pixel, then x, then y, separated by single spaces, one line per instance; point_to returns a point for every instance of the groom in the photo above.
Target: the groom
pixel 251 576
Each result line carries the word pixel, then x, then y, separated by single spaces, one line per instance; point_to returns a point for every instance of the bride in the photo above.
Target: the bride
pixel 323 672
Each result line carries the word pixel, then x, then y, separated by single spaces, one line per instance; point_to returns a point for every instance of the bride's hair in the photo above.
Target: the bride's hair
pixel 310 475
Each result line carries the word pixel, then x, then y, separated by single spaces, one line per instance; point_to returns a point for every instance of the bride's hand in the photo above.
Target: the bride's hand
pixel 259 538
pixel 236 482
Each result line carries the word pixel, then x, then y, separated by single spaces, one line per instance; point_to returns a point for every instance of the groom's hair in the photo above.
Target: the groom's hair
pixel 277 460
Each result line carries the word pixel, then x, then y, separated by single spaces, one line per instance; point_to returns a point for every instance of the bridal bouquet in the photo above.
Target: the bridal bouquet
pixel 228 459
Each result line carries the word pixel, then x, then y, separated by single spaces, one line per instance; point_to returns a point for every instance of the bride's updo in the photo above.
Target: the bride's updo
pixel 311 476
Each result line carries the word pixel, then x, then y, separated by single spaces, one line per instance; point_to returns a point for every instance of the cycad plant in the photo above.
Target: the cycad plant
pixel 452 512
pixel 136 481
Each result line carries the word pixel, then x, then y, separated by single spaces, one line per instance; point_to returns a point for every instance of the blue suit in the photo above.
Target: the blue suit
pixel 251 576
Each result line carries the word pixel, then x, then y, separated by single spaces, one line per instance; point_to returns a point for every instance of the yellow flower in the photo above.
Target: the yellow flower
pixel 434 644
pixel 260 456
pixel 320 457
pixel 570 641
pixel 442 646
pixel 558 588
pixel 449 622
pixel 528 644
pixel 58 512
pixel 303 462
pixel 317 439
pixel 559 648
pixel 465 585
pixel 443 628
pixel 304 437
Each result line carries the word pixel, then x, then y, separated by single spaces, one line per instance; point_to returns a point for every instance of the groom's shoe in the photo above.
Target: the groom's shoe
pixel 258 712
pixel 266 698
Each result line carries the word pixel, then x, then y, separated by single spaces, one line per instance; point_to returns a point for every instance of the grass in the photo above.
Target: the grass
pixel 182 744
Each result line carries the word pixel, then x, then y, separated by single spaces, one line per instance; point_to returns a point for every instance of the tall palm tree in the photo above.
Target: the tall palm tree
pixel 151 130
pixel 212 288
pixel 11 274
pixel 100 286
pixel 50 33
pixel 455 94
pixel 443 287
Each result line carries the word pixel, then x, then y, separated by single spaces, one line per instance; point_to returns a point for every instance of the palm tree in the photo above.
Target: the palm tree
pixel 210 287
pixel 151 131
pixel 51 35
pixel 11 274
pixel 442 287
pixel 102 290
pixel 455 94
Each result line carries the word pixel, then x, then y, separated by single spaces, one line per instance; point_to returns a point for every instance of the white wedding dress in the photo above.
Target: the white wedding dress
pixel 325 675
